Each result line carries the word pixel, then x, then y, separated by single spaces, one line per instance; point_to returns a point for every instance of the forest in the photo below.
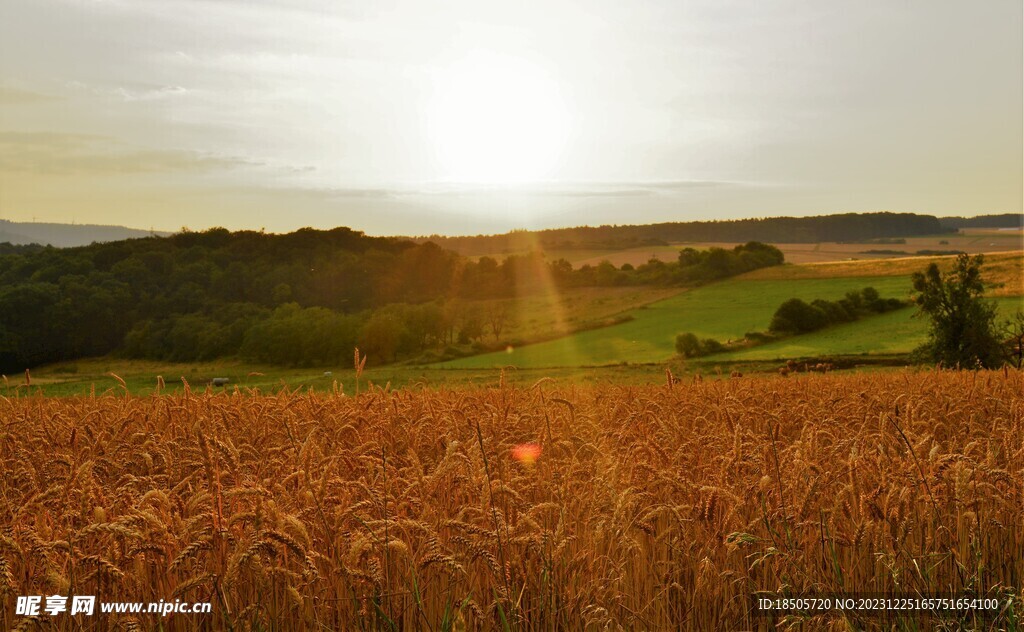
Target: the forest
pixel 306 297
pixel 1004 220
pixel 823 228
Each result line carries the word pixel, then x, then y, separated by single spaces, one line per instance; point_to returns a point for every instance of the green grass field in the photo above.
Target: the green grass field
pixel 546 314
pixel 92 376
pixel 722 311
pixel 633 352
pixel 896 332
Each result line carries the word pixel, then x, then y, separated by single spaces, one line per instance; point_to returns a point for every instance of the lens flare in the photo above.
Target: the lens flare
pixel 526 453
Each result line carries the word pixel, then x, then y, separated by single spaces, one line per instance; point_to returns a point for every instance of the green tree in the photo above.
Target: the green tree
pixel 797 317
pixel 470 323
pixel 689 257
pixel 1015 338
pixel 382 336
pixel 709 346
pixel 688 345
pixel 963 331
pixel 608 274
pixel 719 263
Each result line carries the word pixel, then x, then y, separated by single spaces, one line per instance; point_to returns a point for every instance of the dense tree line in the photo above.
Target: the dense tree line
pixel 841 227
pixel 306 297
pixel 196 295
pixel 7 248
pixel 796 316
pixel 489 278
pixel 1005 220
pixel 689 346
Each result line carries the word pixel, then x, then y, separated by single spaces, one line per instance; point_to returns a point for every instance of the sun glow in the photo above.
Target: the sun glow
pixel 497 119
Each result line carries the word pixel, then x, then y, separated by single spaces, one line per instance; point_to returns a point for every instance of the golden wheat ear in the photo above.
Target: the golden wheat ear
pixel 540 507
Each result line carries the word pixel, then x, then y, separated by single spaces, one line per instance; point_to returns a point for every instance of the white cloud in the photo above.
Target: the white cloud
pixel 818 106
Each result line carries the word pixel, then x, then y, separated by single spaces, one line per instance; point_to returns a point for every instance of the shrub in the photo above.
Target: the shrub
pixel 688 346
pixel 835 312
pixel 710 345
pixel 796 316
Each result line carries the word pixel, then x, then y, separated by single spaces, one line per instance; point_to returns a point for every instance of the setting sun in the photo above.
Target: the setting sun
pixel 496 119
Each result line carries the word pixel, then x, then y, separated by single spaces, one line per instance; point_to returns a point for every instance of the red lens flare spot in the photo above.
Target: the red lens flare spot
pixel 526 453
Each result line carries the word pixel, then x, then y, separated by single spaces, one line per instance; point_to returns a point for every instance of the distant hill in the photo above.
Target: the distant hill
pixel 849 227
pixel 1005 220
pixel 67 235
pixel 821 228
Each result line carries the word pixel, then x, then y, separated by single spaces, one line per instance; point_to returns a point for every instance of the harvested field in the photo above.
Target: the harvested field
pixel 1003 272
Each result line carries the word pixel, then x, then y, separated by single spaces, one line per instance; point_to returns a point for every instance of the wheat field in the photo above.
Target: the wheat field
pixel 647 508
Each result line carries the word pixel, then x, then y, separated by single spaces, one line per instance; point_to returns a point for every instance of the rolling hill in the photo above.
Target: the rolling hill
pixel 729 309
pixel 67 235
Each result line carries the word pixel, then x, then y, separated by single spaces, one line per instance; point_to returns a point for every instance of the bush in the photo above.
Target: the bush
pixel 893 303
pixel 835 312
pixel 855 300
pixel 797 317
pixel 710 345
pixel 688 346
pixel 717 263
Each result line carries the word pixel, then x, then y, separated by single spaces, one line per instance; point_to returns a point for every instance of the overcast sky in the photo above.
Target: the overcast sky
pixel 413 117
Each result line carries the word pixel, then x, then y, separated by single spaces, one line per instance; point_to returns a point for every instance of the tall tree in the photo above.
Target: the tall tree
pixel 963 331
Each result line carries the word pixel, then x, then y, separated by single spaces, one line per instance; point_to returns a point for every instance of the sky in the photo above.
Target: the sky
pixel 465 117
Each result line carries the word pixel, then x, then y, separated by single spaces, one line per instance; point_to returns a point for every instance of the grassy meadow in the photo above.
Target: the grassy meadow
pixel 114 376
pixel 729 309
pixel 724 311
pixel 896 332
pixel 546 313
